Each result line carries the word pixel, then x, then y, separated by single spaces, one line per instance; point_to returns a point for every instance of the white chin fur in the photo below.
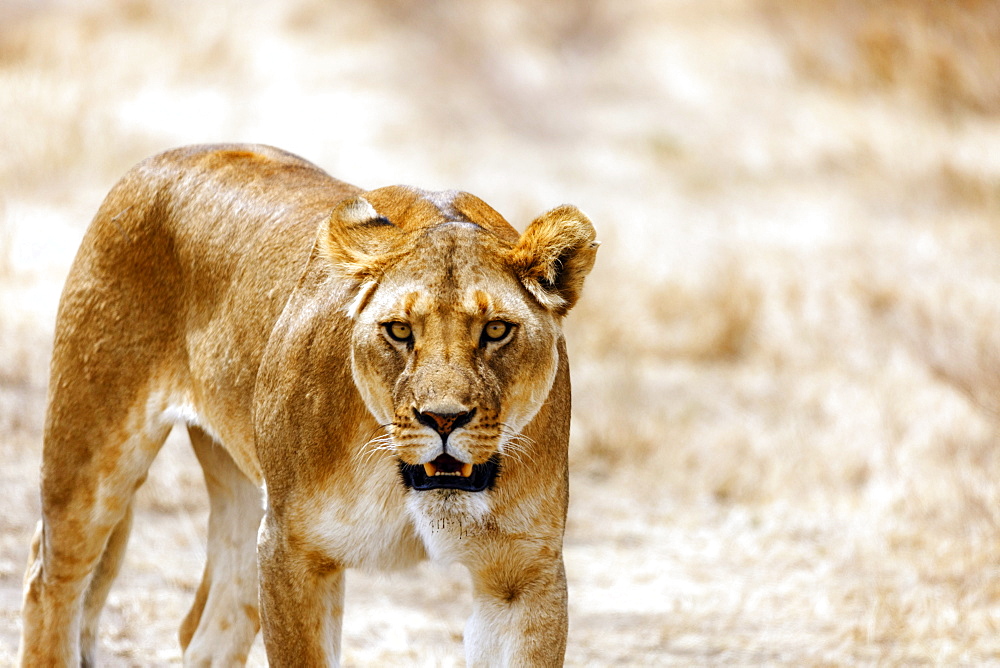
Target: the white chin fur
pixel 443 518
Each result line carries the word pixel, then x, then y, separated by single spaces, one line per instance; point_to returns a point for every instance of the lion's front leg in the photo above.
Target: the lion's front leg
pixel 519 613
pixel 301 602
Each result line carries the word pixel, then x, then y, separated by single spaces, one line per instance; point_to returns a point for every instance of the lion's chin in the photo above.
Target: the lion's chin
pixel 446 472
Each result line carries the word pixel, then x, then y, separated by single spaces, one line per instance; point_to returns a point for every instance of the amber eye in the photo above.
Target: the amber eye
pixel 398 331
pixel 496 330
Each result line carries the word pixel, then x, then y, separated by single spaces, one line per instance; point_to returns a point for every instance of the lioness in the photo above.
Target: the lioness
pixel 367 378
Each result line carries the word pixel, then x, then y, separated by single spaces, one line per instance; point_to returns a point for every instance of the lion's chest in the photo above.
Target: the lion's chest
pixel 365 526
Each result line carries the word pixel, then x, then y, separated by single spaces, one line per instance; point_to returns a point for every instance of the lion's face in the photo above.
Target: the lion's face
pixel 454 358
pixel 455 333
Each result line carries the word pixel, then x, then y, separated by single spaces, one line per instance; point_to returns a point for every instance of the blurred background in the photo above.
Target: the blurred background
pixel 786 367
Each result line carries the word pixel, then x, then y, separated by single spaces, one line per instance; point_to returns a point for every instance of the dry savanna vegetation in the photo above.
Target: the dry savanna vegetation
pixel 786 362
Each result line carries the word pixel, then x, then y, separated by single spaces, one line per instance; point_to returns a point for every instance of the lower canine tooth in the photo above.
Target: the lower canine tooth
pixel 466 470
pixel 430 469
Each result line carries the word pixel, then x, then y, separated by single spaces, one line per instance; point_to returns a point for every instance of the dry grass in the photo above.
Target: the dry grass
pixel 787 405
pixel 943 53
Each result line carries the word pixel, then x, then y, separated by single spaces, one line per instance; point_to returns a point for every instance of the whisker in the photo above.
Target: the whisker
pixel 370 453
pixel 517 452
pixel 513 434
pixel 381 427
pixel 517 445
pixel 376 442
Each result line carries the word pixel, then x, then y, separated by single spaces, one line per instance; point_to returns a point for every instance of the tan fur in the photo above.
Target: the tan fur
pixel 242 291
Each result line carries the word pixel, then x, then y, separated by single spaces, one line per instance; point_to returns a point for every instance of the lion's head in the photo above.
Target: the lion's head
pixel 456 323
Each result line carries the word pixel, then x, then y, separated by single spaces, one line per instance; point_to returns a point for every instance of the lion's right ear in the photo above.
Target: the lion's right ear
pixel 354 238
pixel 554 255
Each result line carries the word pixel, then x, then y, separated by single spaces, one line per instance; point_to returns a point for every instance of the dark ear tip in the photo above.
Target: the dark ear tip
pixel 356 211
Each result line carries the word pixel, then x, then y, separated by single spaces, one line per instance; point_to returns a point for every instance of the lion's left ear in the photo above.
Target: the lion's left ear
pixel 554 256
pixel 355 237
pixel 356 240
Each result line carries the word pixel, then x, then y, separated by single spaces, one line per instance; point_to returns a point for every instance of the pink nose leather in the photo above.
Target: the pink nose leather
pixel 444 423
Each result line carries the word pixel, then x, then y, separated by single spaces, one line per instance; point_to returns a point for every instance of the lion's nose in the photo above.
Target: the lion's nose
pixel 444 423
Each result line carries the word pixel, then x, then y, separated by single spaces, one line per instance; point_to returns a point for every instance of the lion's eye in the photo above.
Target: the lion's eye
pixel 398 331
pixel 496 330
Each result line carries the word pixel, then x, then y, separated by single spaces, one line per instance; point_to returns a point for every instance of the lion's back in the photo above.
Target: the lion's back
pixel 190 260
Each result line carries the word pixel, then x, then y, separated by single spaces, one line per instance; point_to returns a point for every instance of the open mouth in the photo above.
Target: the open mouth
pixel 446 472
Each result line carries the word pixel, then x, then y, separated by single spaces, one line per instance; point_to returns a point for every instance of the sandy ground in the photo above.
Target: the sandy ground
pixel 787 384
